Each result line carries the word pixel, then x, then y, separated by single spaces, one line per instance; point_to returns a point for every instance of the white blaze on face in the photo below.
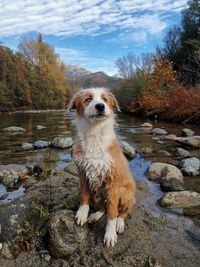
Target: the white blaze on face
pixel 97 99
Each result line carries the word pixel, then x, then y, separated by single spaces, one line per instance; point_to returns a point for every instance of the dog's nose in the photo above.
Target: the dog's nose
pixel 100 106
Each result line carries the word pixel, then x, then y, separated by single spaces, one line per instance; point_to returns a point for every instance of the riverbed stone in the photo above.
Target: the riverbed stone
pixel 65 236
pixel 164 153
pixel 185 199
pixel 26 146
pixel 147 150
pixel 182 153
pixel 40 127
pixel 12 170
pixel 62 142
pixel 40 144
pixel 14 129
pixel 146 124
pixel 190 166
pixel 128 150
pixel 187 132
pixel 170 137
pixel 192 141
pixel 158 170
pixel 159 131
pixel 172 184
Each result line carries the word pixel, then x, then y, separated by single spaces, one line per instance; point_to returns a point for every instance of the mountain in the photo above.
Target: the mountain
pixel 83 78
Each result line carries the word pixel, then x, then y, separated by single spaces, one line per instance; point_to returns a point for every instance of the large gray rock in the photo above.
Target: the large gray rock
pixel 157 171
pixel 190 166
pixel 128 150
pixel 184 199
pixel 193 141
pixel 62 142
pixel 14 129
pixel 187 132
pixel 172 184
pixel 11 172
pixel 40 144
pixel 182 153
pixel 159 131
pixel 65 236
pixel 146 124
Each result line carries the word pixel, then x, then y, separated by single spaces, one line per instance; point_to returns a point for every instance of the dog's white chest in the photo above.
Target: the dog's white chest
pixel 95 162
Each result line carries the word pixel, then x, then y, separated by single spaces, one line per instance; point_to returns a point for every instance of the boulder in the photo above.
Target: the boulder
pixel 192 141
pixel 26 146
pixel 14 129
pixel 157 171
pixel 172 184
pixel 65 236
pixel 187 132
pixel 182 153
pixel 164 153
pixel 128 150
pixel 159 131
pixel 62 142
pixel 40 144
pixel 146 124
pixel 40 127
pixel 10 173
pixel 190 166
pixel 185 199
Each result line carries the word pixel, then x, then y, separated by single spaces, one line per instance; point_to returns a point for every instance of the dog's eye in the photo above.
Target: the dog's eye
pixel 88 100
pixel 104 99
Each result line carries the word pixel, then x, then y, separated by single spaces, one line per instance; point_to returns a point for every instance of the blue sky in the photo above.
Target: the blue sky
pixel 91 33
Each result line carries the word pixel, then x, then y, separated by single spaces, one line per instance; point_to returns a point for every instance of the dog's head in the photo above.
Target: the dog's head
pixel 95 104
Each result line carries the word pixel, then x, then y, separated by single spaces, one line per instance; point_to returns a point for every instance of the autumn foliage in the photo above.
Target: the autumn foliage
pixel 166 97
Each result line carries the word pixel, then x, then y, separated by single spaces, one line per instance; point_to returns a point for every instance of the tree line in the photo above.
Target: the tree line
pixel 166 83
pixel 33 77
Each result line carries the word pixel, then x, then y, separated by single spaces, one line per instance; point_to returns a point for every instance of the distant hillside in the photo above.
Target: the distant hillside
pixel 86 79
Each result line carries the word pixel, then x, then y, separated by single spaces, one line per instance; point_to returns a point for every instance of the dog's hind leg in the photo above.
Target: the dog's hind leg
pixel 127 201
pixel 95 216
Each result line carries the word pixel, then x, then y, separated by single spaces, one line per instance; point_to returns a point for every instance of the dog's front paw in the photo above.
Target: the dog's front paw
pixel 120 225
pixel 82 215
pixel 110 239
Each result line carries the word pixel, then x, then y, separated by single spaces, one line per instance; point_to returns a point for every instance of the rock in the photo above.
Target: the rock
pixel 171 185
pixel 40 127
pixel 62 142
pixel 184 199
pixel 65 236
pixel 128 150
pixel 72 169
pixel 182 153
pixel 40 144
pixel 147 150
pixel 10 180
pixel 187 132
pixel 15 226
pixel 155 138
pixel 15 171
pixel 190 166
pixel 157 171
pixel 159 131
pixel 164 153
pixel 160 142
pixel 14 129
pixel 26 146
pixel 193 141
pixel 146 124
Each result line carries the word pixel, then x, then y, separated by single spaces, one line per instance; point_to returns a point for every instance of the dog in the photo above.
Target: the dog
pixel 105 180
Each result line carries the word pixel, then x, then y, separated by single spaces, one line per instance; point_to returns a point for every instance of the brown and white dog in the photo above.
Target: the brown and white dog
pixel 105 180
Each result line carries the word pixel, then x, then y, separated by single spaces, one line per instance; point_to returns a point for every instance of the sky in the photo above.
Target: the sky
pixel 90 33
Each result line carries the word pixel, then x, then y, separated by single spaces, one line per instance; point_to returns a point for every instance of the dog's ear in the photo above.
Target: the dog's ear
pixel 74 102
pixel 114 102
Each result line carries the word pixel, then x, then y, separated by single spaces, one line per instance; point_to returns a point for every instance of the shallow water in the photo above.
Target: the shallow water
pixel 61 123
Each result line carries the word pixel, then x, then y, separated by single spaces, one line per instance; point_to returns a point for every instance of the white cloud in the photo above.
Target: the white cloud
pixel 85 17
